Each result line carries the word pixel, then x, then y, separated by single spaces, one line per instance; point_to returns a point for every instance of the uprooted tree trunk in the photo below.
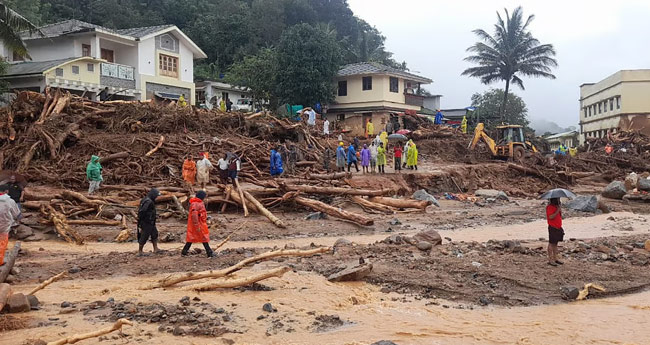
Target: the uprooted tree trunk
pixel 79 337
pixel 275 220
pixel 61 225
pixel 371 205
pixel 336 190
pixel 333 211
pixel 42 285
pixel 401 203
pixel 244 281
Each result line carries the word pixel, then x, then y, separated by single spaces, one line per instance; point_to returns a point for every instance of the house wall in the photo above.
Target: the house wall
pixel 49 49
pixel 36 83
pixel 355 122
pixel 380 90
pixel 84 75
pixel 186 64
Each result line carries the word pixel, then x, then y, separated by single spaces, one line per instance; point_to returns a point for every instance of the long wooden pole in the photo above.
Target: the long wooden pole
pixel 79 337
pixel 9 263
pixel 241 196
pixel 401 203
pixel 232 283
pixel 275 220
pixel 337 190
pixel 333 211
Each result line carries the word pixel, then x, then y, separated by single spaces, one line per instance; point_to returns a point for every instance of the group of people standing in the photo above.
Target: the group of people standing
pixel 373 158
pixel 229 166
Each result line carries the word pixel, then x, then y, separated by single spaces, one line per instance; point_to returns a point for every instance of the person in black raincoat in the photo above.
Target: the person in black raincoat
pixel 147 221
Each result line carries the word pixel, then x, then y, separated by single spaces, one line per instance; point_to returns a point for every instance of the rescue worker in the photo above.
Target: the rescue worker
pixel 189 171
pixel 197 225
pixel 405 152
pixel 370 129
pixel 94 174
pixel 203 168
pixel 276 163
pixel 365 159
pixel 181 101
pixel 222 105
pixel 9 216
pixel 381 158
pixel 463 125
pixel 412 156
pixel 438 119
pixel 146 228
pixel 340 157
pixel 384 138
pixel 352 157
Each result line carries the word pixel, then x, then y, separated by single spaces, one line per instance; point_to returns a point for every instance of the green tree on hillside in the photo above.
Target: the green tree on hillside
pixel 510 53
pixel 258 73
pixel 488 111
pixel 11 25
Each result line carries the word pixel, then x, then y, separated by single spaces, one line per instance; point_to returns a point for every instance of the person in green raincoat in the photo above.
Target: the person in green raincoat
pixel 94 174
pixel 412 156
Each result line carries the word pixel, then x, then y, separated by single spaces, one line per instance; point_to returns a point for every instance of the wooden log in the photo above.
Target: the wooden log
pixel 159 145
pixel 61 103
pixel 179 207
pixel 61 225
pixel 333 211
pixel 223 207
pixel 305 163
pixel 27 158
pixel 9 262
pixel 337 190
pixel 30 194
pixel 236 198
pixel 113 156
pixel 75 196
pixel 10 125
pixel 332 176
pixel 34 205
pixel 244 281
pixel 241 196
pixel 5 292
pixel 175 279
pixel 372 205
pixel 94 222
pixel 79 337
pixel 42 285
pixel 275 220
pixel 401 203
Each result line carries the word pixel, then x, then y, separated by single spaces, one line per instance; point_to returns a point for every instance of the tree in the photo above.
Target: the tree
pixel 512 52
pixel 258 73
pixel 307 61
pixel 11 24
pixel 488 111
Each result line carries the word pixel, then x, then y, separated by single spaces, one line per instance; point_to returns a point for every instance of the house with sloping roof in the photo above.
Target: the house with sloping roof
pixel 134 64
pixel 372 91
pixel 568 139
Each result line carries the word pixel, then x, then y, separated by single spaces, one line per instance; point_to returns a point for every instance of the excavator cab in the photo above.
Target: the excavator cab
pixel 509 144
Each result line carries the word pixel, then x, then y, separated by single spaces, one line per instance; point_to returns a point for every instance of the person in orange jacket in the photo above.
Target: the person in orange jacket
pixel 197 225
pixel 189 171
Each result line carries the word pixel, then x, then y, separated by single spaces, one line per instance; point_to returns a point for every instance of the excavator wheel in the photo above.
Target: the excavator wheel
pixel 518 154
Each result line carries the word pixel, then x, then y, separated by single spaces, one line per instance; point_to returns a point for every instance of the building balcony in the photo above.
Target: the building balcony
pixel 116 75
pixel 411 99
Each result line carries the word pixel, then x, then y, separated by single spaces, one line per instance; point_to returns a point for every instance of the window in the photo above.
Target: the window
pixel 75 69
pixel 85 50
pixel 584 111
pixel 168 65
pixel 589 107
pixel 108 55
pixel 594 112
pixel 394 84
pixel 17 57
pixel 611 104
pixel 604 106
pixel 59 72
pixel 343 88
pixel 91 67
pixel 618 102
pixel 600 108
pixel 366 83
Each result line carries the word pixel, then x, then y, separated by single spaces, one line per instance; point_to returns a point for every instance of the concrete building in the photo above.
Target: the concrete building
pixel 83 58
pixel 568 139
pixel 371 90
pixel 209 93
pixel 618 102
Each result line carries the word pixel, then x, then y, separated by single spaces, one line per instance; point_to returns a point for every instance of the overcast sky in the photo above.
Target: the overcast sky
pixel 593 39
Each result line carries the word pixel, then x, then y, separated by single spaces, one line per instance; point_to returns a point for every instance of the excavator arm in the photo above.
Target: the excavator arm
pixel 479 133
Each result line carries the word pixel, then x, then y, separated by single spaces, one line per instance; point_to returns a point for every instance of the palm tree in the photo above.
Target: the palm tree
pixel 512 52
pixel 11 25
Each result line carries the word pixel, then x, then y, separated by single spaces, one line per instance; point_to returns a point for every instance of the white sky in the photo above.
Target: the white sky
pixel 593 39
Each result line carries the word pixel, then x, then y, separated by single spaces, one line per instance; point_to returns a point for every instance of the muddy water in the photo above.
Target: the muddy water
pixel 372 316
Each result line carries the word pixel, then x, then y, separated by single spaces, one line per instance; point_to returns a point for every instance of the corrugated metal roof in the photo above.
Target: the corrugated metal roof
pixel 563 134
pixel 143 31
pixel 377 68
pixel 33 67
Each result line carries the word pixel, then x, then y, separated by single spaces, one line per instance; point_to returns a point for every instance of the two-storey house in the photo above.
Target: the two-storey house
pixel 83 58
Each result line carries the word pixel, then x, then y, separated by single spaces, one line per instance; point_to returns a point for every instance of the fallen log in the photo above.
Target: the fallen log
pixel 244 281
pixel 305 163
pixel 34 205
pixel 79 337
pixel 112 157
pixel 61 103
pixel 158 146
pixel 61 225
pixel 332 176
pixel 27 158
pixel 30 195
pixel 401 203
pixel 241 196
pixel 336 190
pixel 75 196
pixel 175 279
pixel 42 285
pixel 260 208
pixel 372 205
pixel 234 195
pixel 94 222
pixel 333 211
pixel 5 292
pixel 10 259
pixel 227 192
pixel 179 207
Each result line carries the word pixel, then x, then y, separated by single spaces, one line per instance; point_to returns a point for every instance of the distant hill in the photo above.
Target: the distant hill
pixel 542 126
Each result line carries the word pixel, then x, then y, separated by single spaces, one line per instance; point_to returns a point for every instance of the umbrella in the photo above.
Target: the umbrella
pixel 397 137
pixel 558 193
pixel 403 131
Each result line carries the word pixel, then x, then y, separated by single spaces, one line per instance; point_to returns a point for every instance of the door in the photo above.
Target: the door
pixel 108 55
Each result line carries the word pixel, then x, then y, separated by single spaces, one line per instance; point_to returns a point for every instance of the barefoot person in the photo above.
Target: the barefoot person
pixel 147 221
pixel 555 231
pixel 197 225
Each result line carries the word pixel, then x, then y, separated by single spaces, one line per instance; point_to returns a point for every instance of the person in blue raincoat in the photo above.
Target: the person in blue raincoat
pixel 438 119
pixel 352 157
pixel 340 157
pixel 276 163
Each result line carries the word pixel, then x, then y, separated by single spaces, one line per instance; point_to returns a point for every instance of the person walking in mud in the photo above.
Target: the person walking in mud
pixel 197 225
pixel 555 231
pixel 340 158
pixel 146 228
pixel 203 168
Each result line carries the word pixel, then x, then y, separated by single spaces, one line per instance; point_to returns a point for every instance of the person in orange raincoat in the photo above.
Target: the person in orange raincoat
pixel 189 171
pixel 9 216
pixel 197 225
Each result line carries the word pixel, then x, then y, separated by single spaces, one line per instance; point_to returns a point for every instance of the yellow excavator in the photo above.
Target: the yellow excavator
pixel 510 144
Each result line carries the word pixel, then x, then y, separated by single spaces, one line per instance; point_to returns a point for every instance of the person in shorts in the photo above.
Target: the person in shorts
pixel 555 231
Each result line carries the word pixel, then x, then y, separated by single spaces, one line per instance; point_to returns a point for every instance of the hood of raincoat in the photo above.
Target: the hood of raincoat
pixel 94 159
pixel 153 194
pixel 201 194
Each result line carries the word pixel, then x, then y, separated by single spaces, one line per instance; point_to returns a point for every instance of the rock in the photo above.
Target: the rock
pixel 614 190
pixel 342 242
pixel 584 203
pixel 185 301
pixel 569 292
pixel 65 304
pixel 644 184
pixel 268 307
pixel 424 196
pixel 178 330
pixel 74 269
pixel 476 264
pixel 424 246
pixel 15 271
pixel 603 249
pixel 646 245
pixel 631 181
pixel 21 232
pixel 316 216
pixel 492 193
pixel 394 221
pixel 603 207
pixel 393 239
pixel 430 236
pixel 410 240
pixel 383 342
pixel 34 303
pixel 484 300
pixel 167 237
pixel 353 273
pixel 18 303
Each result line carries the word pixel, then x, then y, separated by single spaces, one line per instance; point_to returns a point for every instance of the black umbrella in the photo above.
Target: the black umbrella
pixel 558 193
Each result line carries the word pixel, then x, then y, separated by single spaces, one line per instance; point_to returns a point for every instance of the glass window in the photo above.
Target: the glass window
pixel 589 110
pixel 75 69
pixel 585 111
pixel 343 88
pixel 618 102
pixel 85 50
pixel 91 67
pixel 600 107
pixel 611 104
pixel 168 66
pixel 394 84
pixel 59 72
pixel 367 83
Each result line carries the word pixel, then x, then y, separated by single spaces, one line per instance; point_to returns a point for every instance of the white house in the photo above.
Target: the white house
pixel 136 63
pixel 209 93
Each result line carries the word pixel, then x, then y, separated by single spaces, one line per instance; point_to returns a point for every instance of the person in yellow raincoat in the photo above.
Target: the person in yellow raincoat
pixel 370 129
pixel 381 158
pixel 189 171
pixel 222 105
pixel 412 156
pixel 573 151
pixel 463 125
pixel 384 138
pixel 181 101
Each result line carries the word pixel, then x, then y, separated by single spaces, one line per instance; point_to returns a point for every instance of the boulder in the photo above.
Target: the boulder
pixel 430 236
pixel 34 303
pixel 631 181
pixel 615 190
pixel 21 232
pixel 569 292
pixel 424 196
pixel 18 303
pixel 644 184
pixel 342 242
pixel 492 193
pixel 353 273
pixel 424 246
pixel 584 203
pixel 393 239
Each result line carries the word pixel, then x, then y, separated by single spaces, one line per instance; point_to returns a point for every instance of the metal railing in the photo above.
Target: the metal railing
pixel 115 70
